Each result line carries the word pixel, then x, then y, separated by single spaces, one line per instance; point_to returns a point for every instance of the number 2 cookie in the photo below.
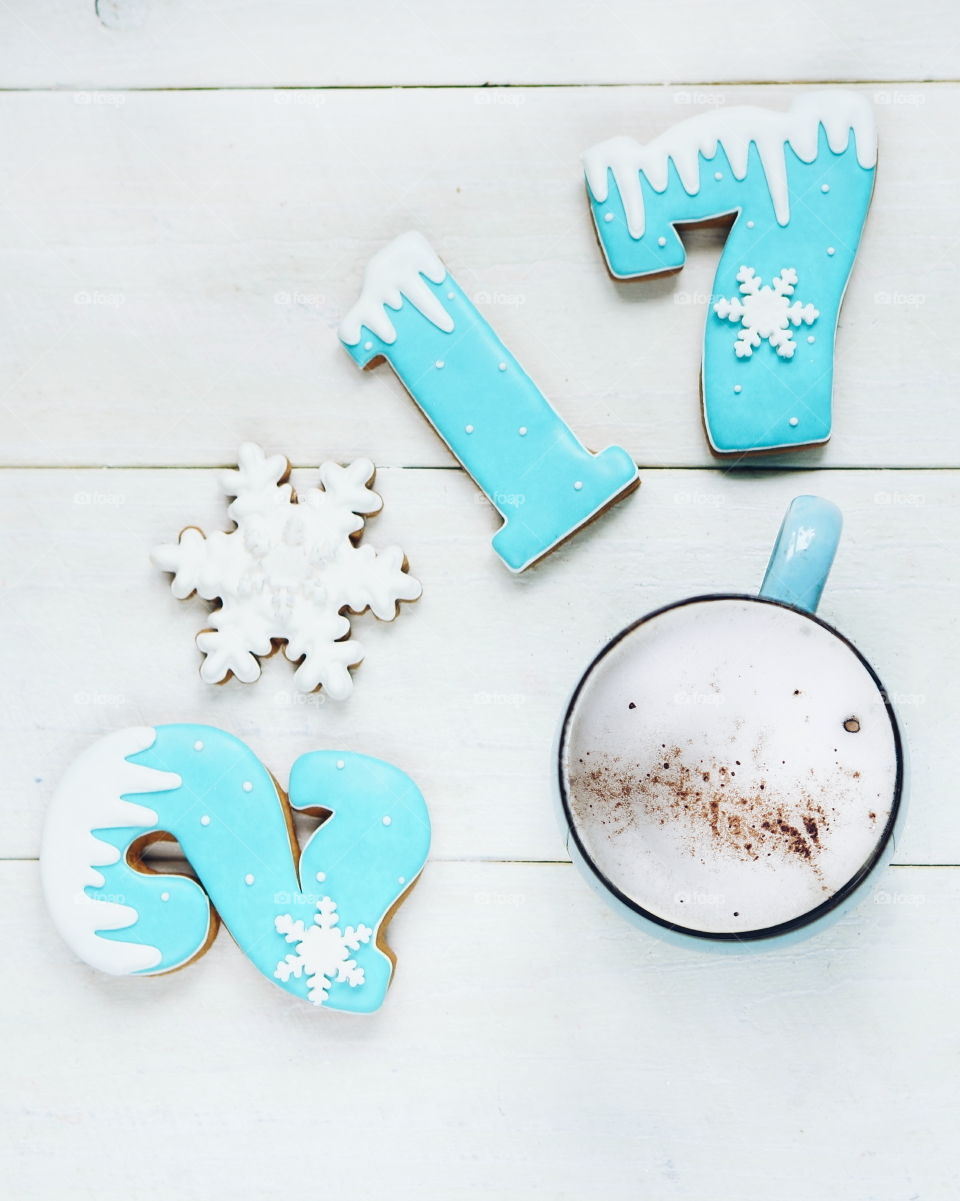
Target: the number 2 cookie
pixel 797 186
pixel 313 920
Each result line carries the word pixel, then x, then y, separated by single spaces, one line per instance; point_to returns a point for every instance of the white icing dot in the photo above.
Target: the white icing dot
pixel 198 745
pixel 340 765
pixel 661 241
pixel 468 429
pixel 501 366
pixel 368 346
pixel 608 216
pixel 718 175
pixel 750 224
pixel 205 820
pixel 388 821
pixel 738 387
pixel 321 876
pixel 451 296
pixel 577 485
pixel 164 896
pixel 248 878
pixel 522 431
pixel 794 420
pixel 247 786
pixel 401 879
pixel 831 250
pixel 811 338
pixel 824 187
pixel 439 364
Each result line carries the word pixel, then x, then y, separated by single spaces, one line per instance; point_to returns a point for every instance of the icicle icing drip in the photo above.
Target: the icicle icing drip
pixel 393 275
pixel 532 467
pixel 735 129
pixel 311 921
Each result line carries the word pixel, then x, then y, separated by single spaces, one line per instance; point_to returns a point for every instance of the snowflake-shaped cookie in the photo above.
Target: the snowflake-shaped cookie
pixel 765 312
pixel 288 572
pixel 322 951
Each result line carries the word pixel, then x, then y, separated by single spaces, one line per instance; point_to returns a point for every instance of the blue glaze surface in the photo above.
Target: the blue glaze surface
pixel 764 401
pixel 498 423
pixel 233 830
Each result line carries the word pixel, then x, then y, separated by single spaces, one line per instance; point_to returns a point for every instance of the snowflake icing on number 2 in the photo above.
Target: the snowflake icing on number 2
pixel 288 572
pixel 765 312
pixel 323 951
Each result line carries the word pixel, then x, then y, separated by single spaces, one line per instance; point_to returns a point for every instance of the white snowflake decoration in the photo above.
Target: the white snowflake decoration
pixel 765 312
pixel 323 951
pixel 288 572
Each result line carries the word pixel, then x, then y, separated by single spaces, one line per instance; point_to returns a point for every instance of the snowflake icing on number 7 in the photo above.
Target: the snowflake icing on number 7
pixel 765 312
pixel 322 951
pixel 288 572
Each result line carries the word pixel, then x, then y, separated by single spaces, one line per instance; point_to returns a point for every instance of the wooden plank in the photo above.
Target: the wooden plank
pixel 533 1045
pixel 172 43
pixel 466 689
pixel 184 294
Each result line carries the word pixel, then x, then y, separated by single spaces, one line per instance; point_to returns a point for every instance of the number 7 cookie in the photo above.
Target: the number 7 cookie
pixel 797 186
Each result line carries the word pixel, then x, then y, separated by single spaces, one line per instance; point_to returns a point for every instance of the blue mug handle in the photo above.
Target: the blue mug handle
pixel 803 553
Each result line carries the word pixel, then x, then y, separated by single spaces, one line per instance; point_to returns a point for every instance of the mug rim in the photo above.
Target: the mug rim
pixel 804 919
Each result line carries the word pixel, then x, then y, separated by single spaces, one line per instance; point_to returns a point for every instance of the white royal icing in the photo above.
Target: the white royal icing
pixel 248 870
pixel 90 797
pixel 735 129
pixel 765 312
pixel 393 275
pixel 288 572
pixel 322 952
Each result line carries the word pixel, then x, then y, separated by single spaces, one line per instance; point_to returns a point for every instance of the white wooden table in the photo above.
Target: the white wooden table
pixel 189 195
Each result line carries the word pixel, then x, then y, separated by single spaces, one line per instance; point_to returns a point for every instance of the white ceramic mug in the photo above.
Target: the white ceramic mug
pixel 729 766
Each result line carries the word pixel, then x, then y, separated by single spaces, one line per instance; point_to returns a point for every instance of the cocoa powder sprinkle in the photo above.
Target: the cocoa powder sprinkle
pixel 744 822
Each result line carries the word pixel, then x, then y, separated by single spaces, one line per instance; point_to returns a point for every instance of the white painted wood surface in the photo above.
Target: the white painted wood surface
pixel 182 255
pixel 228 43
pixel 174 265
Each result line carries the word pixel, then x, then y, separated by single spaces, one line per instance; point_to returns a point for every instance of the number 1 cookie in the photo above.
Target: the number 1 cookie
pixel 797 187
pixel 544 483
